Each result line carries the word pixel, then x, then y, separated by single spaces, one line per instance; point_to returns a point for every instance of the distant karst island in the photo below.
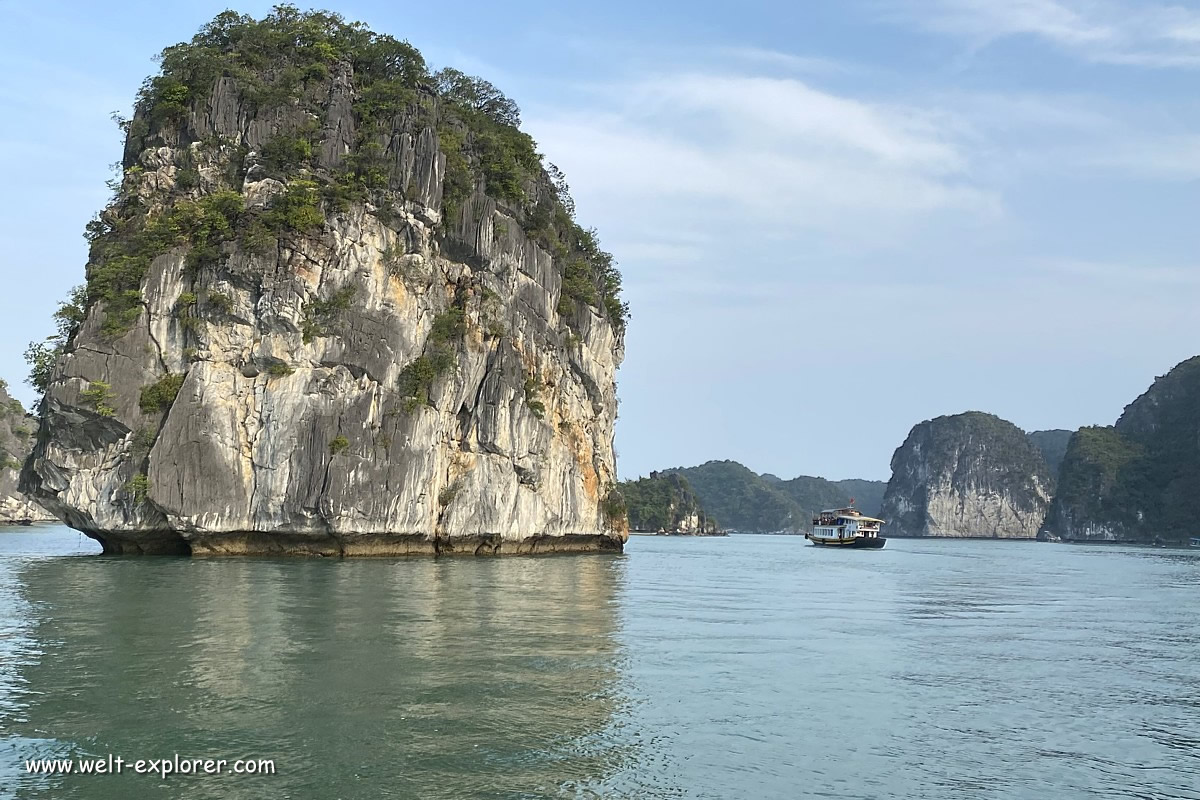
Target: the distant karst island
pixel 665 503
pixel 740 500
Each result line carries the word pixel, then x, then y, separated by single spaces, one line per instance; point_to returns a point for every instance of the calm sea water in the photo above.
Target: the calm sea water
pixel 747 667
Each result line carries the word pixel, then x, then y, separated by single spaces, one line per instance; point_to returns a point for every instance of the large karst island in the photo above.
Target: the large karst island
pixel 338 305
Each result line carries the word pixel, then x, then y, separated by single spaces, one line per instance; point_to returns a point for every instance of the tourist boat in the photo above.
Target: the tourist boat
pixel 1194 542
pixel 846 527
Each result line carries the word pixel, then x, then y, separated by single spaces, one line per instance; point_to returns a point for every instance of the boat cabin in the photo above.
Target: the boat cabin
pixel 845 523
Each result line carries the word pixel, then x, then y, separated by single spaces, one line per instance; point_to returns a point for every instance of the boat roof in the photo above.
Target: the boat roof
pixel 851 512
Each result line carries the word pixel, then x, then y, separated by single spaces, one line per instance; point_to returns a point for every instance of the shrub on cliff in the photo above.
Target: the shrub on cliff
pixel 160 395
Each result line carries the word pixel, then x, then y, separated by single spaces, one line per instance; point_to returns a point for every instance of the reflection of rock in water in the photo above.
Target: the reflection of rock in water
pixel 361 678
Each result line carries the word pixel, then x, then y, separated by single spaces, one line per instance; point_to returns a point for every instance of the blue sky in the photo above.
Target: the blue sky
pixel 836 218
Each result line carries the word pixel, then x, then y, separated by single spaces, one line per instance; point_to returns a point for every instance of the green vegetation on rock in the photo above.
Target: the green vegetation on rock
pixel 42 356
pixel 99 395
pixel 290 57
pixel 752 503
pixel 297 209
pixel 533 389
pixel 321 315
pixel 220 302
pixel 665 502
pixel 160 395
pixel 122 249
pixel 284 154
pixel 138 488
pixel 615 510
pixel 440 356
pixel 284 58
pixel 1139 480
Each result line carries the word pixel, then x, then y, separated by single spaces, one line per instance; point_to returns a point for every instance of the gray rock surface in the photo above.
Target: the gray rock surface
pixel 275 444
pixel 17 431
pixel 970 475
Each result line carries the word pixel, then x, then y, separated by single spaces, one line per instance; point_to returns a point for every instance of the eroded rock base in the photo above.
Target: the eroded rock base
pixel 377 545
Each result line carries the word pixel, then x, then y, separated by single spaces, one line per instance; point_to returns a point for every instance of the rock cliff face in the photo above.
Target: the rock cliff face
pixel 665 503
pixel 337 307
pixel 1138 481
pixel 969 475
pixel 16 439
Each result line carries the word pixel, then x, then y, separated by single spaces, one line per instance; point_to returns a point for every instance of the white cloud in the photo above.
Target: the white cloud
pixel 787 61
pixel 1012 136
pixel 987 19
pixel 760 153
pixel 1134 32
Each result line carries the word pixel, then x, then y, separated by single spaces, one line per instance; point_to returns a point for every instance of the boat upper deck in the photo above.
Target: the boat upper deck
pixel 844 516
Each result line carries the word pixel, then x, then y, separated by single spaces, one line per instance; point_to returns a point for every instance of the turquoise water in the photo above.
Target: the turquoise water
pixel 753 667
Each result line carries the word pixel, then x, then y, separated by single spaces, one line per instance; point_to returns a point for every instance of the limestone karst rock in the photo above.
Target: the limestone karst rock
pixel 338 306
pixel 1137 481
pixel 968 475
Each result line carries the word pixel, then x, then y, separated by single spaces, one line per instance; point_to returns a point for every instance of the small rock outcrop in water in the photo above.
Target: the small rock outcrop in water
pixel 969 475
pixel 16 439
pixel 665 503
pixel 338 306
pixel 1137 481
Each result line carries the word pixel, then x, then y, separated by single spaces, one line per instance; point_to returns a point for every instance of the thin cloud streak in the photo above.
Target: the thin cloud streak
pixel 1131 277
pixel 1120 32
